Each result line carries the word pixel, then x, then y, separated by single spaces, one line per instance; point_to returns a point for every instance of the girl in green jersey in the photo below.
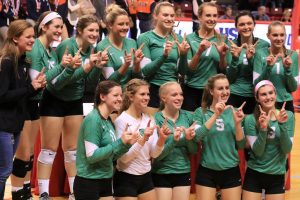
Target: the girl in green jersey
pixel 220 131
pixel 61 105
pixel 240 70
pixel 42 60
pixel 270 134
pixel 207 56
pixel 98 145
pixel 165 52
pixel 124 57
pixel 171 169
pixel 279 65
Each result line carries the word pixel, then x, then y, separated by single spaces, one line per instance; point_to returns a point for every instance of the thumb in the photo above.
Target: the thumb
pixel 41 73
pixel 149 123
pixel 66 51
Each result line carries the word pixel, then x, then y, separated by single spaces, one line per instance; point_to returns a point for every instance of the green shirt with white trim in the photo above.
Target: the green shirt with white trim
pixel 97 147
pixel 269 148
pixel 284 79
pixel 219 146
pixel 174 158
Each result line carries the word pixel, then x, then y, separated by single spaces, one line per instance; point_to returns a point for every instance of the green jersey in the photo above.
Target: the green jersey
pixel 270 147
pixel 208 64
pixel 219 146
pixel 155 67
pixel 73 87
pixel 240 71
pixel 174 158
pixel 97 147
pixel 116 60
pixel 284 79
pixel 39 58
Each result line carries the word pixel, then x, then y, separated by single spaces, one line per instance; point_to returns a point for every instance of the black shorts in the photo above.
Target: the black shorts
pixel 223 179
pixel 129 185
pixel 171 180
pixel 33 110
pixel 256 181
pixel 154 96
pixel 236 101
pixel 92 189
pixel 53 107
pixel 192 98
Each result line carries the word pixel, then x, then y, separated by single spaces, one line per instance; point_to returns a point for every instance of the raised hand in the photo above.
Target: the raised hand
pixel 220 106
pixel 177 132
pixel 238 115
pixel 77 61
pixel 221 47
pixel 236 50
pixel 138 55
pixel 264 118
pixel 40 80
pixel 66 59
pixel 271 59
pixel 204 44
pixel 250 49
pixel 184 46
pixel 129 137
pixel 147 133
pixel 168 47
pixel 102 57
pixel 164 130
pixel 282 116
pixel 127 58
pixel 287 61
pixel 190 132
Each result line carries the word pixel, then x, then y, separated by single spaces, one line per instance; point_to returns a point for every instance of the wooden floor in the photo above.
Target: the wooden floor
pixel 292 194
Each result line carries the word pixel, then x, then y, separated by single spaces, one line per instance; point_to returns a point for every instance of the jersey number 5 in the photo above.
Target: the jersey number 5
pixel 220 125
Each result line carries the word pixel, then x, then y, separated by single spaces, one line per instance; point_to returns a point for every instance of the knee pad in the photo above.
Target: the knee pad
pixel 70 156
pixel 20 168
pixel 46 156
pixel 30 163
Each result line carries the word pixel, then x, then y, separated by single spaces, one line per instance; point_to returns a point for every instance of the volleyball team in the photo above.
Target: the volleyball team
pixel 235 95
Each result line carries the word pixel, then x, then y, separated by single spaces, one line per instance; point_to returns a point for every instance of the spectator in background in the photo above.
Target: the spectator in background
pixel 261 14
pixel 35 9
pixel 228 13
pixel 286 15
pixel 178 11
pixel 6 16
pixel 144 13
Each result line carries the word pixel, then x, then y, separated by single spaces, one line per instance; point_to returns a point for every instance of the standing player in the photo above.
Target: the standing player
pixel 270 134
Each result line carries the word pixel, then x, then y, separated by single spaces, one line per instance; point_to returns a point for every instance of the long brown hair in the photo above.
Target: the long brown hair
pixel 10 49
pixel 130 89
pixel 207 98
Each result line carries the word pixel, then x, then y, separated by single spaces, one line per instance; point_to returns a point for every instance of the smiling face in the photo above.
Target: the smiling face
pixel 113 99
pixel 25 41
pixel 141 97
pixel 165 17
pixel 90 33
pixel 172 97
pixel 276 34
pixel 245 26
pixel 220 91
pixel 53 30
pixel 119 28
pixel 266 97
pixel 208 18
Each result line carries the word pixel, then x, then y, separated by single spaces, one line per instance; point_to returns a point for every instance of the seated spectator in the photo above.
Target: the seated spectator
pixel 178 12
pixel 286 15
pixel 228 13
pixel 261 14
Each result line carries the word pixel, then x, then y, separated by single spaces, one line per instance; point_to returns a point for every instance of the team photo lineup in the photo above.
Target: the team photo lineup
pixel 160 103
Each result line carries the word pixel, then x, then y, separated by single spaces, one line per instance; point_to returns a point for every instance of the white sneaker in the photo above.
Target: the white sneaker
pixel 71 197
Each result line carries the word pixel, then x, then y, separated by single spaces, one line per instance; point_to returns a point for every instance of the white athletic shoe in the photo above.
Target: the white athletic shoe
pixel 71 197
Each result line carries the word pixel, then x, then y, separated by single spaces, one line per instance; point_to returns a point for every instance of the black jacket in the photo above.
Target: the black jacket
pixel 14 92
